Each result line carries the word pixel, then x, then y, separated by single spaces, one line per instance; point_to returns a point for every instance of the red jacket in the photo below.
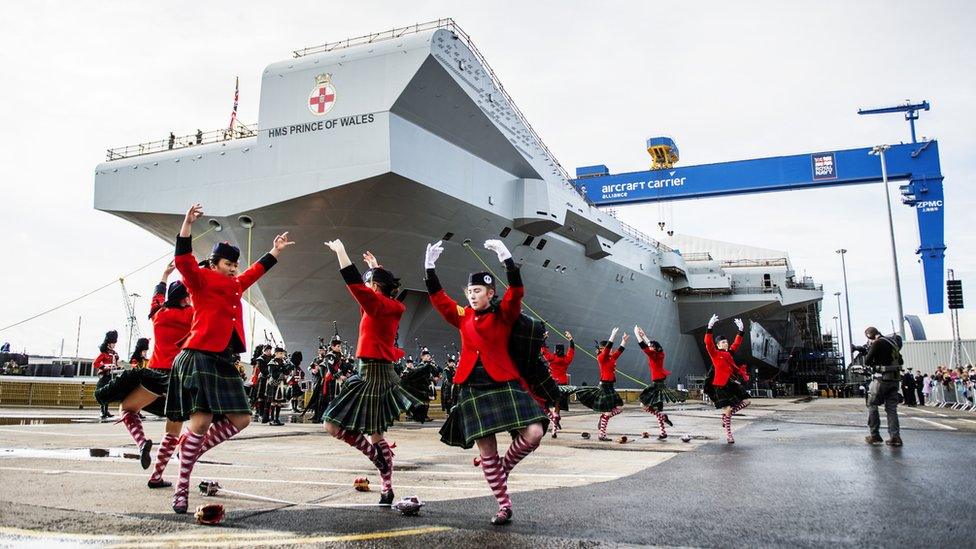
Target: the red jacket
pixel 723 361
pixel 217 311
pixel 655 361
pixel 170 328
pixel 608 363
pixel 484 335
pixel 379 322
pixel 104 362
pixel 559 365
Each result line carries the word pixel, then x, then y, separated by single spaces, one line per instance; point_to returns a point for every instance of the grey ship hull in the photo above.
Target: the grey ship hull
pixel 422 142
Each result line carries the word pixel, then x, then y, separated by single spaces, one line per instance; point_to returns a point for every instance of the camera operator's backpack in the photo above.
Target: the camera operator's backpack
pixel 895 342
pixel 525 347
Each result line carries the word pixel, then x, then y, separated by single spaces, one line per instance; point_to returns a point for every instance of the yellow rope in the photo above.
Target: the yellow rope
pixel 540 317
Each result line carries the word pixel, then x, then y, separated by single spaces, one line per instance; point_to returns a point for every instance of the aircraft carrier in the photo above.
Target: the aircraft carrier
pixel 396 139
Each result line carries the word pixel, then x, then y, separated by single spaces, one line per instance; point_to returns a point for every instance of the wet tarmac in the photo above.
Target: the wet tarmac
pixel 799 475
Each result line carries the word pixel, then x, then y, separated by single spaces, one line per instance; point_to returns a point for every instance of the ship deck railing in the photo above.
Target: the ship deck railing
pixel 774 262
pixel 696 256
pixel 173 142
pixel 803 285
pixel 642 238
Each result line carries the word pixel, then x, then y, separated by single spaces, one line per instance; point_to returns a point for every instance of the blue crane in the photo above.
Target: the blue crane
pixel 910 109
pixel 916 162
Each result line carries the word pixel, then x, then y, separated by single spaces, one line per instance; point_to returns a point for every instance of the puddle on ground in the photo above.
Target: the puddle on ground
pixel 81 454
pixel 35 420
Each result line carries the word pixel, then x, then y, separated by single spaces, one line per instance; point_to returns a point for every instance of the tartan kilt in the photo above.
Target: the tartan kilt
pixel 258 390
pixel 204 382
pixel 486 409
pixel 658 393
pixel 564 391
pixel 154 381
pixel 279 392
pixel 731 394
pixel 370 401
pixel 601 398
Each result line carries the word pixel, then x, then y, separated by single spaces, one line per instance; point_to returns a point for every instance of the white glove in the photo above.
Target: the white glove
pixel 739 324
pixel 712 321
pixel 433 252
pixel 613 333
pixel 499 248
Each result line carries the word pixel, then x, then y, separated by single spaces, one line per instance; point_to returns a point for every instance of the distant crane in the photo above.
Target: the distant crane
pixel 910 109
pixel 130 311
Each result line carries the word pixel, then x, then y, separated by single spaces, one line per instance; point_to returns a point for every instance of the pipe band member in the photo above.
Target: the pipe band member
pixel 491 397
pixel 720 386
pixel 447 383
pixel 559 362
pixel 657 393
pixel 276 389
pixel 104 364
pixel 204 386
pixel 369 402
pixel 316 372
pixel 144 388
pixel 139 360
pixel 604 398
pixel 261 360
pixel 417 379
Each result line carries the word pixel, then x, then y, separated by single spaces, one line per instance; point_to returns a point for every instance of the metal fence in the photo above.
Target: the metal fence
pixel 48 395
pixel 959 395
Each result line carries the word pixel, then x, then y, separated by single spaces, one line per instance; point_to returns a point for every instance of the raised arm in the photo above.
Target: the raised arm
pixel 620 350
pixel 268 260
pixel 709 337
pixel 446 307
pixel 511 304
pixel 159 293
pixel 738 336
pixel 184 260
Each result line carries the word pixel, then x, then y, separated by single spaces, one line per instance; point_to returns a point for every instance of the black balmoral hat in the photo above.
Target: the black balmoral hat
pixel 227 251
pixel 481 279
pixel 380 275
pixel 176 292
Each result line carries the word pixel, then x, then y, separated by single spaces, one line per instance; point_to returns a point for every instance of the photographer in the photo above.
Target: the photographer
pixel 884 361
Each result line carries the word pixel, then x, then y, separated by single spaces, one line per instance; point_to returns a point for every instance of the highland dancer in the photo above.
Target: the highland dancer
pixel 559 362
pixel 369 403
pixel 204 386
pixel 604 398
pixel 145 388
pixel 658 392
pixel 490 395
pixel 725 391
pixel 104 364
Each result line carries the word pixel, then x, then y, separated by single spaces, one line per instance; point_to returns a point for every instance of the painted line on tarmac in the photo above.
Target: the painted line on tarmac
pixel 928 412
pixel 966 420
pixel 946 427
pixel 199 538
pixel 48 471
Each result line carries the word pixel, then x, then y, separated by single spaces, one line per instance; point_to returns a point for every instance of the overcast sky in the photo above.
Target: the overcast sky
pixel 727 80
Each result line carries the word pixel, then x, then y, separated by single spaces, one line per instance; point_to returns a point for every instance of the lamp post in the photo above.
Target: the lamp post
pixel 840 332
pixel 879 150
pixel 847 299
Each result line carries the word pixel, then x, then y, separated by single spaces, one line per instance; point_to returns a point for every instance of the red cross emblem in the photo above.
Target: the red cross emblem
pixel 322 99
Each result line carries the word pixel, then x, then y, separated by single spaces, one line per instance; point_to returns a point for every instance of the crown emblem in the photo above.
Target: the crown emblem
pixel 324 78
